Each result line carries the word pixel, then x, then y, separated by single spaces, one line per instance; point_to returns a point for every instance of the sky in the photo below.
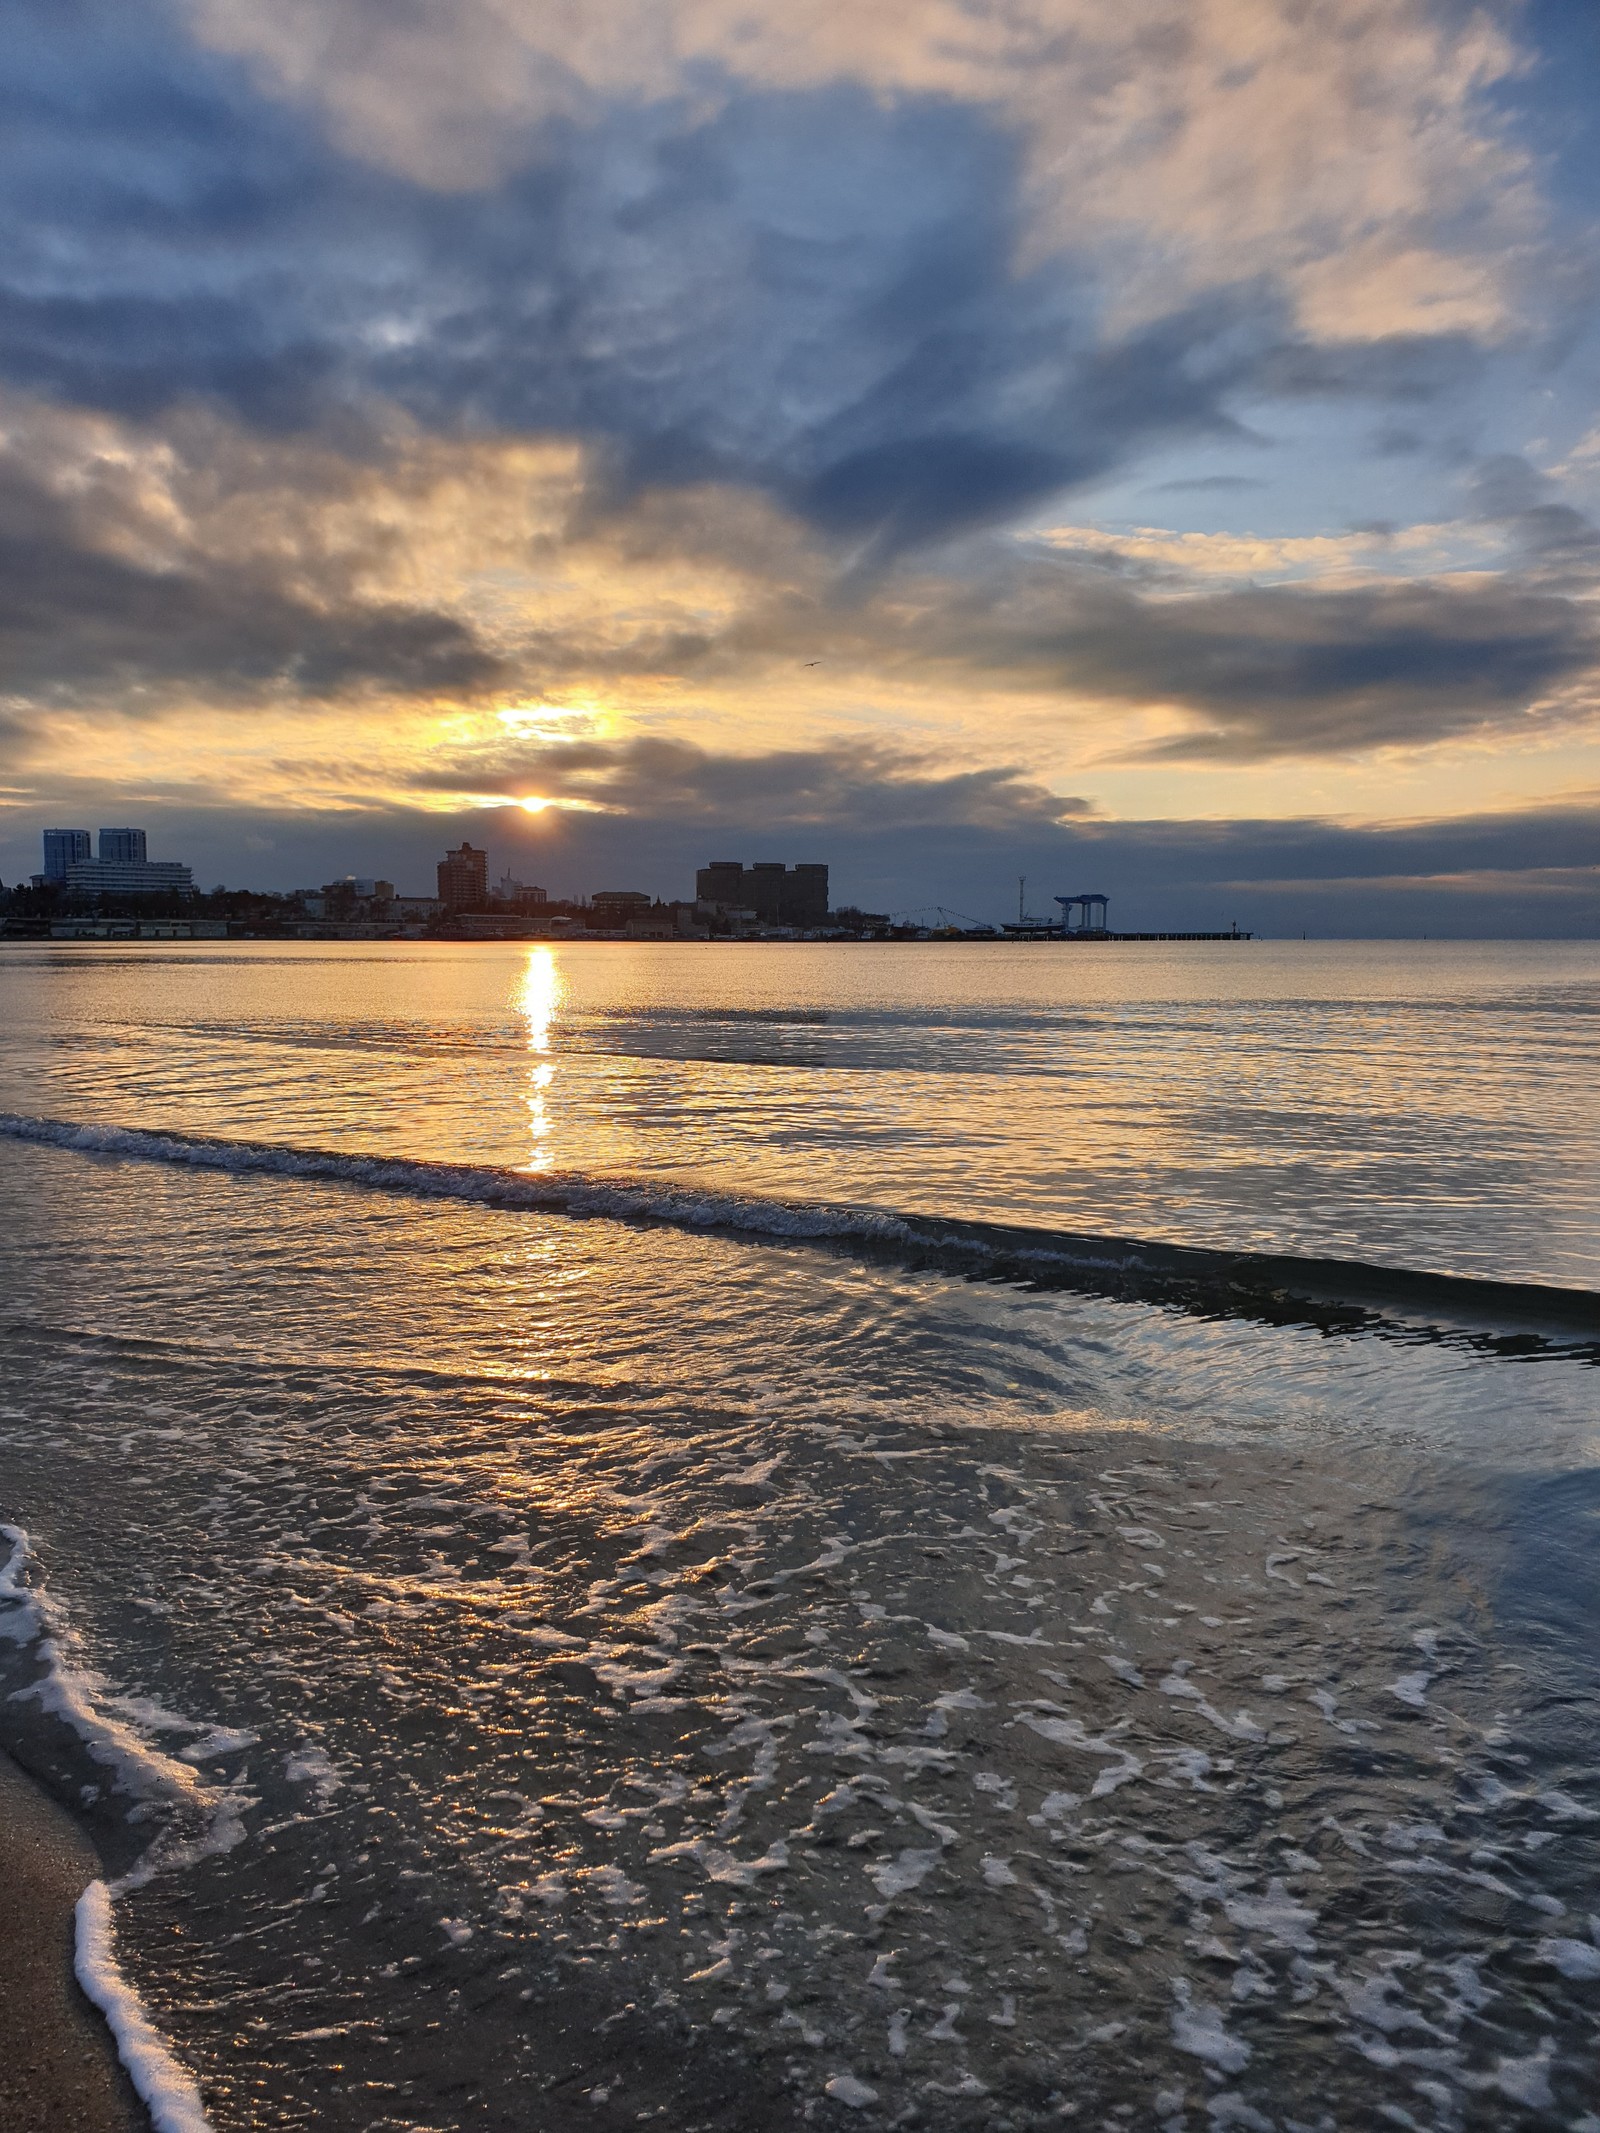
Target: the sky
pixel 1150 448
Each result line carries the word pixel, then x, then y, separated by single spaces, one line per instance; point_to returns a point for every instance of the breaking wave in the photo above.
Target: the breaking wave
pixel 1282 1286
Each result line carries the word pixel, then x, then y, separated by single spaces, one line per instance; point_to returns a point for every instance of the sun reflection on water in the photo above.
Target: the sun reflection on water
pixel 538 997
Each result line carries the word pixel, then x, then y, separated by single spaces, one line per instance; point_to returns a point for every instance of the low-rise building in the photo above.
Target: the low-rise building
pixel 522 895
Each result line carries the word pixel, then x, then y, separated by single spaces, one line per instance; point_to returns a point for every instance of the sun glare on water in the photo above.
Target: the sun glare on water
pixel 538 995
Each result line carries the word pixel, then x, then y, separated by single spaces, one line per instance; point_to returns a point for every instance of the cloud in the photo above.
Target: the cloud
pixel 909 270
pixel 1353 150
pixel 83 610
pixel 805 292
pixel 847 788
pixel 1281 671
pixel 446 583
pixel 1215 484
pixel 675 373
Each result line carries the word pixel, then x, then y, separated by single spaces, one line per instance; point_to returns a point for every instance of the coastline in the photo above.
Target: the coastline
pixel 59 2071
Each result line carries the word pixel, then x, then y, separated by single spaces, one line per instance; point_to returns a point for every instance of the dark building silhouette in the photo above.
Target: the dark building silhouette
pixel 779 895
pixel 464 879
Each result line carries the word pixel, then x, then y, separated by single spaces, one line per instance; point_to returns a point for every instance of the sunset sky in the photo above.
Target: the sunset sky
pixel 1149 445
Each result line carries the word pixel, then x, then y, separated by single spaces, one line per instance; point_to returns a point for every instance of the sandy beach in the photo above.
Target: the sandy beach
pixel 58 2068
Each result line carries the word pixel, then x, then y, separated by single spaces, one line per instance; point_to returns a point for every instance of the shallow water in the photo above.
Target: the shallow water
pixel 551 1673
pixel 1417 1104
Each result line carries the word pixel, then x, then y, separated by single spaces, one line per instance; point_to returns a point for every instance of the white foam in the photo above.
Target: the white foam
pixel 1573 1958
pixel 1198 2028
pixel 1071 1733
pixel 75 1694
pixel 893 1877
pixel 560 1192
pixel 310 1765
pixel 1412 1688
pixel 1283 1918
pixel 168 2090
pixel 723 1866
pixel 846 2089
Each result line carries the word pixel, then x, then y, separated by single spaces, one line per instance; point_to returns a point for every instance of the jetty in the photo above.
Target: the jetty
pixel 1084 917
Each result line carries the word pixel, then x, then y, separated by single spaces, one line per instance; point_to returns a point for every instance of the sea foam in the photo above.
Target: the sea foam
pixel 74 1694
pixel 167 2088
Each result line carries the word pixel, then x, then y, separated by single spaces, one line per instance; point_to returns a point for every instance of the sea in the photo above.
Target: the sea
pixel 732 1536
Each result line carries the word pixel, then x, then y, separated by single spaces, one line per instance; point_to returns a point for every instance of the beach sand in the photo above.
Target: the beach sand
pixel 59 2071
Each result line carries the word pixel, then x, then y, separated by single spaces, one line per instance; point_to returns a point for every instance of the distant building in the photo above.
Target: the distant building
pixel 508 890
pixel 122 869
pixel 148 877
pixel 63 849
pixel 778 895
pixel 628 902
pixel 464 879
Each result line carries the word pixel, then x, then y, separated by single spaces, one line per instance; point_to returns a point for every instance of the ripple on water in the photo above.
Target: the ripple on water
pixel 744 1690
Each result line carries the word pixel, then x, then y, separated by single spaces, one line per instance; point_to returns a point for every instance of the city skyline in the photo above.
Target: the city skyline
pixel 1154 446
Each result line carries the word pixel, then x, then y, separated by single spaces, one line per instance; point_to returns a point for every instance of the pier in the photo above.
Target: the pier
pixel 1084 918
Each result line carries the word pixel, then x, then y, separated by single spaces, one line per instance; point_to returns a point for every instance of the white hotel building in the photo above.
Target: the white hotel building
pixel 121 869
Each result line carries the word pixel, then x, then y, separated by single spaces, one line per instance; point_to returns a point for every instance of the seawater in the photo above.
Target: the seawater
pixel 526 1671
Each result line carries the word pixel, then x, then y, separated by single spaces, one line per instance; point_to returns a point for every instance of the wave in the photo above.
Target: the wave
pixel 1213 1279
pixel 168 2090
pixel 73 1694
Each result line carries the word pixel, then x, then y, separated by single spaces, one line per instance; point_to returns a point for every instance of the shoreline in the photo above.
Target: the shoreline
pixel 59 2070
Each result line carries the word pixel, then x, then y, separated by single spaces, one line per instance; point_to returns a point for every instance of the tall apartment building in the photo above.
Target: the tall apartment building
pixel 464 879
pixel 778 895
pixel 63 849
pixel 123 848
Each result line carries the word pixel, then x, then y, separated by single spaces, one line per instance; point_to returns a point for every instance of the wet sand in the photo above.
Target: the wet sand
pixel 59 2071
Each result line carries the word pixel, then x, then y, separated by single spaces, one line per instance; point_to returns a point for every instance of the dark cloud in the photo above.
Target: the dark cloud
pixel 849 787
pixel 75 618
pixel 1409 370
pixel 1291 671
pixel 1264 671
pixel 98 593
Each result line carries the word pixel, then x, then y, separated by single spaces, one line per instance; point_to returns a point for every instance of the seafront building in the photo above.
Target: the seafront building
pixel 778 895
pixel 464 879
pixel 122 868
pixel 63 849
pixel 124 847
pixel 525 895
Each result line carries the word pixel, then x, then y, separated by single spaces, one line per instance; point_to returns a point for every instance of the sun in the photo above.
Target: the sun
pixel 533 806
